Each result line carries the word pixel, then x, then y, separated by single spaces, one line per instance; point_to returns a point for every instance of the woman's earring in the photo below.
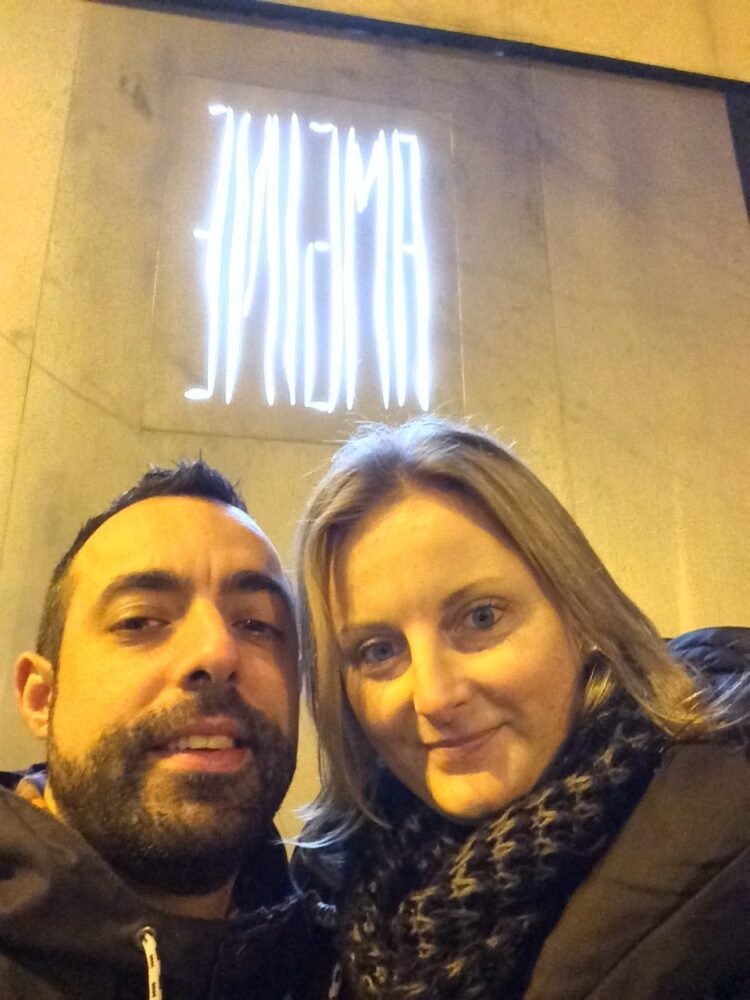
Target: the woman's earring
pixel 594 660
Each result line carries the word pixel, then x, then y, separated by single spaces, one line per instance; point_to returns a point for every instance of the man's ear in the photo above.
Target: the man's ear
pixel 34 684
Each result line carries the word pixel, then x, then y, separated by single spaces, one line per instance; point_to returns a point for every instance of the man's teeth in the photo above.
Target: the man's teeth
pixel 201 743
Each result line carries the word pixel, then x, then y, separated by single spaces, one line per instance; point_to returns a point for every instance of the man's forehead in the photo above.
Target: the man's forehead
pixel 167 531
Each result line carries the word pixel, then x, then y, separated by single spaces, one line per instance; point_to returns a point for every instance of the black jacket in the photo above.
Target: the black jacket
pixel 70 928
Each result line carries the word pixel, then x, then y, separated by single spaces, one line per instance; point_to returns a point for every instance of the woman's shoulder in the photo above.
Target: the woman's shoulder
pixel 718 660
pixel 704 784
pixel 667 903
pixel 720 650
pixel 692 821
pixel 720 657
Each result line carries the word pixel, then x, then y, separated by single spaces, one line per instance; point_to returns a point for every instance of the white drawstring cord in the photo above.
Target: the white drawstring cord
pixel 335 987
pixel 147 939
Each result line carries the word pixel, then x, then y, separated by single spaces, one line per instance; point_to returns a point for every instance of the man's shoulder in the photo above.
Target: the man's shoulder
pixel 29 783
pixel 68 913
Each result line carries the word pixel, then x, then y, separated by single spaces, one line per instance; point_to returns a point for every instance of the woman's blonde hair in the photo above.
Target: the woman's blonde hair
pixel 379 464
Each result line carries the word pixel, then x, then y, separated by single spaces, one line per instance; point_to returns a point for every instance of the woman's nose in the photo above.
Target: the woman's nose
pixel 439 682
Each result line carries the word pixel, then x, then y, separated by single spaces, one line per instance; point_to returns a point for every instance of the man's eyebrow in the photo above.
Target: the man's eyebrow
pixel 252 581
pixel 152 579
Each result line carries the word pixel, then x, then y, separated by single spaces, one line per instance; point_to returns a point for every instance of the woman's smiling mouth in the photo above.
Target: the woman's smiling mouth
pixel 459 750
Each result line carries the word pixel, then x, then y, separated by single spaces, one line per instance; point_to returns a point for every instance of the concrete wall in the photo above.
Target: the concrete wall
pixel 593 239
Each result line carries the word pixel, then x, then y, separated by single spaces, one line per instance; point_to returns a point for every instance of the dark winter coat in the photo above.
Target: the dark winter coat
pixel 70 928
pixel 666 913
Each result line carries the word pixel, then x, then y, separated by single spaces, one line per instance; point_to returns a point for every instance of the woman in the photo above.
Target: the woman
pixel 523 794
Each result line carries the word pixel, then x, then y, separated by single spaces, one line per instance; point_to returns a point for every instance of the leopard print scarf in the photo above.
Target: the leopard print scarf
pixel 440 911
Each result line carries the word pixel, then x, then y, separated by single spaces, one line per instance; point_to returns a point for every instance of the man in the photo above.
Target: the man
pixel 164 684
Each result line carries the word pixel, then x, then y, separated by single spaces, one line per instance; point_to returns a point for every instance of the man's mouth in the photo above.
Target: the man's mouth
pixel 207 745
pixel 202 743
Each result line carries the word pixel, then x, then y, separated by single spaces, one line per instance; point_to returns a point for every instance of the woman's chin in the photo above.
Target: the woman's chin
pixel 469 798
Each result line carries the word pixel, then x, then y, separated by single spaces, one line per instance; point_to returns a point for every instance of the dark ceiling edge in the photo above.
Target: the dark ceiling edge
pixel 253 10
pixel 738 110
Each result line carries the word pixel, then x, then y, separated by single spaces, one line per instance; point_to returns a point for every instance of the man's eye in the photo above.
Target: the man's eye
pixel 137 623
pixel 256 626
pixel 482 616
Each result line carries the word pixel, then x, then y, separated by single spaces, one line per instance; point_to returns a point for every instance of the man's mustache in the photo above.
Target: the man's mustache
pixel 158 729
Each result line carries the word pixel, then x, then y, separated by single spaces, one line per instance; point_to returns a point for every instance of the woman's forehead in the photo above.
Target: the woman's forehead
pixel 426 539
pixel 399 515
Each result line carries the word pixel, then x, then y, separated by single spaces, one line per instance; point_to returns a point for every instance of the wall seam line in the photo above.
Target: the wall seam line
pixel 32 352
pixel 571 503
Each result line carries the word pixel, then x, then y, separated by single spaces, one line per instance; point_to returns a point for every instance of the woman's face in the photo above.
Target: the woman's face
pixel 459 669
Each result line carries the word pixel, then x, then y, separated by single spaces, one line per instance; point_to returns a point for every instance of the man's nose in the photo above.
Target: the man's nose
pixel 211 649
pixel 439 683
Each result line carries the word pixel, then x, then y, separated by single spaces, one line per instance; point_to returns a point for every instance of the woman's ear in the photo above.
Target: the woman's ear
pixel 34 686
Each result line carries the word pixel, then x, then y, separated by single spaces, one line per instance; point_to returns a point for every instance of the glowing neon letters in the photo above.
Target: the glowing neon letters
pixel 319 332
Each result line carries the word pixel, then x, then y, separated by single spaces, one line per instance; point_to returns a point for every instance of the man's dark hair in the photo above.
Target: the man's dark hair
pixel 186 479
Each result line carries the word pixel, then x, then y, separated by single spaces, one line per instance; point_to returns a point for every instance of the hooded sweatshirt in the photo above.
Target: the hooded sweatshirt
pixel 70 927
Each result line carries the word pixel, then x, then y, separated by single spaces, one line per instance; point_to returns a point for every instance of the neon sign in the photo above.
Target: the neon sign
pixel 254 236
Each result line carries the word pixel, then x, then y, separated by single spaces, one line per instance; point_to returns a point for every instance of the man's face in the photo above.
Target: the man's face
pixel 174 717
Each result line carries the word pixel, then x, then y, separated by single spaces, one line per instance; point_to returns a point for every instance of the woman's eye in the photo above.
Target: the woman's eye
pixel 483 616
pixel 377 651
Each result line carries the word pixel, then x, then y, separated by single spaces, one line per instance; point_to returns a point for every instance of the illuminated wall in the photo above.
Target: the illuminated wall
pixel 585 244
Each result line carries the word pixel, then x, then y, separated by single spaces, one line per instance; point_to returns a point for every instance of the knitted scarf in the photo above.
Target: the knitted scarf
pixel 441 910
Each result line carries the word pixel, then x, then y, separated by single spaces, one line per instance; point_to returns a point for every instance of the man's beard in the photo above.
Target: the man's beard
pixel 104 797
